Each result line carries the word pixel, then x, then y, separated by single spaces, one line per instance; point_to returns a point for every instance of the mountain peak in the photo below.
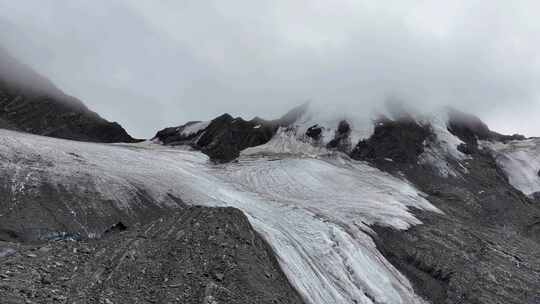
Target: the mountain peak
pixel 31 103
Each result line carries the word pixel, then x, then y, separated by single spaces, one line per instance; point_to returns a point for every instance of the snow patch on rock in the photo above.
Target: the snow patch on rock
pixel 194 128
pixel 520 160
pixel 444 147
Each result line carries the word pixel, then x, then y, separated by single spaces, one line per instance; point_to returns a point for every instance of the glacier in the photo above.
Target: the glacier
pixel 314 209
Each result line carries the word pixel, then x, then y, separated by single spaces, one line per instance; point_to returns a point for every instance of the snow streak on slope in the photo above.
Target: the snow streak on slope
pixel 444 147
pixel 315 213
pixel 520 160
pixel 287 143
pixel 361 123
pixel 195 127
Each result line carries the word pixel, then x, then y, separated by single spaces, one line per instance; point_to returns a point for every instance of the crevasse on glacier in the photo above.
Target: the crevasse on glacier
pixel 314 211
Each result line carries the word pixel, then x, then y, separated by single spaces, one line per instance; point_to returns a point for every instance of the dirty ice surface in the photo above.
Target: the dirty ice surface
pixel 520 160
pixel 315 212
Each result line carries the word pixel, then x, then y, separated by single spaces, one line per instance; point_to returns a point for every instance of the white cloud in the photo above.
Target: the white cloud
pixel 151 64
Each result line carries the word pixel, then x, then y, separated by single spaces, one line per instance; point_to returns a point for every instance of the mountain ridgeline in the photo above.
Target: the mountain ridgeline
pixel 223 138
pixel 31 103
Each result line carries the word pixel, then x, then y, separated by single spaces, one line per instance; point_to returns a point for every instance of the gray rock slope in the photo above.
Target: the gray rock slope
pixel 196 255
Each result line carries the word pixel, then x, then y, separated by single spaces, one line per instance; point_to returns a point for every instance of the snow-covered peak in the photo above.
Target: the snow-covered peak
pixel 193 128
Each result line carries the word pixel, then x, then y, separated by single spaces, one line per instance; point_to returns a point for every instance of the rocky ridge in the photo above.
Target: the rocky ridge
pixel 31 103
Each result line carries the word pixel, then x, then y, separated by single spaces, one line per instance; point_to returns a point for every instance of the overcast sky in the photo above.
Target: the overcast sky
pixel 149 64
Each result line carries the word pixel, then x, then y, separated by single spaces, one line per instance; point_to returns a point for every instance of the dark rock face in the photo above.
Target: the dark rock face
pixel 401 141
pixel 226 136
pixel 197 255
pixel 470 129
pixel 31 103
pixel 314 132
pixel 467 127
pixel 223 138
pixel 341 140
pixel 488 231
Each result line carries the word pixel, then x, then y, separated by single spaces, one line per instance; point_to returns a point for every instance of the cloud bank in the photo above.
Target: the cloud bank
pixel 151 64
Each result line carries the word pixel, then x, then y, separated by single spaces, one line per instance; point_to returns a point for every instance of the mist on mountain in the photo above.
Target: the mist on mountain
pixel 151 65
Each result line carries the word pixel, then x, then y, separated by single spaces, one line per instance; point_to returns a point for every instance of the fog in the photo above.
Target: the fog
pixel 152 64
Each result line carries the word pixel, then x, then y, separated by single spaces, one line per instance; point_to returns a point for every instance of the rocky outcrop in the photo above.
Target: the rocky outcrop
pixel 31 103
pixel 341 140
pixel 398 140
pixel 470 129
pixel 197 255
pixel 314 132
pixel 224 137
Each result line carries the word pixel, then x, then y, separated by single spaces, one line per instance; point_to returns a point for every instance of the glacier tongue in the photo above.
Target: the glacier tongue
pixel 315 213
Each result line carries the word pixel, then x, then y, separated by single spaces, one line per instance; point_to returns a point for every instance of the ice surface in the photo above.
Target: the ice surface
pixel 195 127
pixel 315 212
pixel 520 160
